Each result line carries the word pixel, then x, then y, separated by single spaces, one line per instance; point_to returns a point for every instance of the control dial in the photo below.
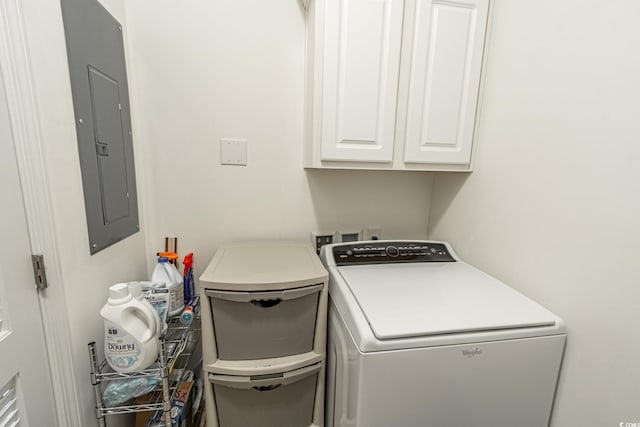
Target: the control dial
pixel 392 251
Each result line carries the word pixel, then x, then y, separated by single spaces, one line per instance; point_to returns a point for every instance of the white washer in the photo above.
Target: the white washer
pixel 418 338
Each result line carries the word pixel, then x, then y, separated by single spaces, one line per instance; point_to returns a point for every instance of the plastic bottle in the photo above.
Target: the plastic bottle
pixel 187 315
pixel 130 342
pixel 165 272
pixel 189 288
pixel 135 289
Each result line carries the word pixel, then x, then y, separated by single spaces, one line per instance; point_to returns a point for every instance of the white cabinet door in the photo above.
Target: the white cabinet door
pixel 361 58
pixel 448 43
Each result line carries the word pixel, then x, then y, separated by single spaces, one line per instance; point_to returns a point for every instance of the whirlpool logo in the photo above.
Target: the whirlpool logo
pixel 471 352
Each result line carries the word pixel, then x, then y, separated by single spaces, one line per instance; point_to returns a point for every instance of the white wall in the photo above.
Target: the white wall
pixel 553 207
pixel 85 278
pixel 205 70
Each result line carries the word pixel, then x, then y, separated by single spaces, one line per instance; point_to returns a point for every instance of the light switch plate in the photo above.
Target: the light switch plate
pixel 233 152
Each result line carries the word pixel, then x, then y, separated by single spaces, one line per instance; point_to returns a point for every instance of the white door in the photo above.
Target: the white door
pixel 448 43
pixel 361 56
pixel 25 385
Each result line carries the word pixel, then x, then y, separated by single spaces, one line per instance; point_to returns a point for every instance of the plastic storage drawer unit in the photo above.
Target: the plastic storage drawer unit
pixel 264 332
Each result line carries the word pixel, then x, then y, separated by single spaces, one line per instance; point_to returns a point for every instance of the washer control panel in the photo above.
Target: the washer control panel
pixel 390 252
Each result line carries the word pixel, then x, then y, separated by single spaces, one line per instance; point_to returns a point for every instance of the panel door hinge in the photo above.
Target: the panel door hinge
pixel 38 271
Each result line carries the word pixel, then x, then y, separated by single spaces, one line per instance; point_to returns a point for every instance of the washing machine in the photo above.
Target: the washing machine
pixel 419 338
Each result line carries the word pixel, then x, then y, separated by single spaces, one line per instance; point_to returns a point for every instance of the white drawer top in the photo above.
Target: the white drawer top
pixel 263 265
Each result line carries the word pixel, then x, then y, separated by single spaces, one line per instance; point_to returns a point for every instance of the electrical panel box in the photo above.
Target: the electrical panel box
pixel 98 73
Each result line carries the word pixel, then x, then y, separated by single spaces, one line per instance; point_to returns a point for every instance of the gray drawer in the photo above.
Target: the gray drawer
pixel 278 400
pixel 260 325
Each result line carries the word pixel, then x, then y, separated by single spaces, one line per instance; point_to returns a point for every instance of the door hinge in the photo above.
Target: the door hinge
pixel 38 271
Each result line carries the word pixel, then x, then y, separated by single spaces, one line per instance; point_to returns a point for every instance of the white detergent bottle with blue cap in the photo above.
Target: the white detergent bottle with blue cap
pixel 130 341
pixel 165 272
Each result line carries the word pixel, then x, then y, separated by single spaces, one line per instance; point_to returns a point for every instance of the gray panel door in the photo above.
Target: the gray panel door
pixel 110 149
pixel 101 102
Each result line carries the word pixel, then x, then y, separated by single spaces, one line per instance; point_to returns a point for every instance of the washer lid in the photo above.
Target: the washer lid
pixel 412 300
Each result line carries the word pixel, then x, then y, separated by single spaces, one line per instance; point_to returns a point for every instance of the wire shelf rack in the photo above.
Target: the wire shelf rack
pixel 175 351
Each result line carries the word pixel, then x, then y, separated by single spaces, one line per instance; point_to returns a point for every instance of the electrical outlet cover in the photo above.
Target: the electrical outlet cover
pixel 373 233
pixel 350 235
pixel 321 238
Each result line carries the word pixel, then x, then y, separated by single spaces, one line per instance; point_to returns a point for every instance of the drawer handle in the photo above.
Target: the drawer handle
pixel 266 303
pixel 267 387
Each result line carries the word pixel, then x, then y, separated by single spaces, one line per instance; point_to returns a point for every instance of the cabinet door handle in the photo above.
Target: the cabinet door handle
pixel 266 303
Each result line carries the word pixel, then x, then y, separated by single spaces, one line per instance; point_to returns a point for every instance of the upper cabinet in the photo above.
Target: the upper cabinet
pixel 393 84
pixel 362 40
